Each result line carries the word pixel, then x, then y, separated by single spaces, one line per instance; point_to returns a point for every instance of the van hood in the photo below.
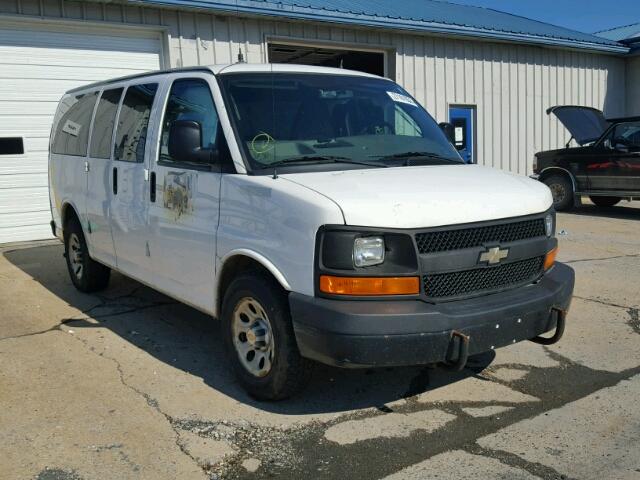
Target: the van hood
pixel 427 196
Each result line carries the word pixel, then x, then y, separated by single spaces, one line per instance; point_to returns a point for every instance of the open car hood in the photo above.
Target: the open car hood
pixel 585 124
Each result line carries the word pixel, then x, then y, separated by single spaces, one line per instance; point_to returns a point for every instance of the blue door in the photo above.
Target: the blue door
pixel 463 120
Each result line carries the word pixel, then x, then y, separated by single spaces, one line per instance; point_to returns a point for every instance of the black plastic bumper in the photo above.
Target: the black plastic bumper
pixel 412 332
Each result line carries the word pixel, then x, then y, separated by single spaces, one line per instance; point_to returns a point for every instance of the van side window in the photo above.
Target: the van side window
pixel 103 123
pixel 131 135
pixel 71 126
pixel 190 99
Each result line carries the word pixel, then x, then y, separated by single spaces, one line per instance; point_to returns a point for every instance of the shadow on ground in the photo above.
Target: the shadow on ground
pixel 623 211
pixel 187 339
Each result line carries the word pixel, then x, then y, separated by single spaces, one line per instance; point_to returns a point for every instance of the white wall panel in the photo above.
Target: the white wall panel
pixel 38 63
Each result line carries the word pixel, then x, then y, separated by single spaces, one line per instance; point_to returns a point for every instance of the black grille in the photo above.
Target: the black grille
pixel 482 280
pixel 430 242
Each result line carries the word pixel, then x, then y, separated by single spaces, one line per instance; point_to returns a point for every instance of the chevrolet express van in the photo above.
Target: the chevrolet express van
pixel 321 214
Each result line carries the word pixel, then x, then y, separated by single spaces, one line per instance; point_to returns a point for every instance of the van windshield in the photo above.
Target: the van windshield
pixel 298 119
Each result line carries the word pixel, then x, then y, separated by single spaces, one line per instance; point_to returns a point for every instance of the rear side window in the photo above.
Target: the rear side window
pixel 103 123
pixel 71 126
pixel 131 135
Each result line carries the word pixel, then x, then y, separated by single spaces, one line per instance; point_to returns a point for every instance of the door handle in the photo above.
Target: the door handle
pixel 152 187
pixel 115 180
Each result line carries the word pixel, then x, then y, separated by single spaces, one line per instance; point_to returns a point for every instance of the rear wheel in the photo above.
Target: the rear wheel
pixel 260 340
pixel 562 191
pixel 86 274
pixel 605 201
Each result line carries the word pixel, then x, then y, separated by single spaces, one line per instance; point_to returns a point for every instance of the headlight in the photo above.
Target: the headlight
pixel 368 251
pixel 548 225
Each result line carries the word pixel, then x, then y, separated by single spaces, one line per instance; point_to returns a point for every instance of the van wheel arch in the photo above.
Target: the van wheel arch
pixel 67 213
pixel 232 268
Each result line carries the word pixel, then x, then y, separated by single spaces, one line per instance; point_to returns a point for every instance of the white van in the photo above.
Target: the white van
pixel 321 214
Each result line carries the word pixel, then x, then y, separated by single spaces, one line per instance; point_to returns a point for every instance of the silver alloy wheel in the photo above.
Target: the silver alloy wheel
pixel 252 337
pixel 76 256
pixel 557 192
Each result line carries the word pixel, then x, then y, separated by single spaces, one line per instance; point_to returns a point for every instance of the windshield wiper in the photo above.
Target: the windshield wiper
pixel 305 159
pixel 410 155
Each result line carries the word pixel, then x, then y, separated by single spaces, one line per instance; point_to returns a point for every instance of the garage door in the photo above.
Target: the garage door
pixel 36 68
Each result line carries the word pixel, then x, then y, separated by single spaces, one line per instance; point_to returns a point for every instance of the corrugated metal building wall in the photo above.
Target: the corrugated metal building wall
pixel 511 85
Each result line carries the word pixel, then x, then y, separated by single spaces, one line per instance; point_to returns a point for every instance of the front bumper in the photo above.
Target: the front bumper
pixel 379 333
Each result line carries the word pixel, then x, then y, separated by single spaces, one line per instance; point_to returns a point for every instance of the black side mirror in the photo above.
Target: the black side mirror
pixel 449 131
pixel 185 143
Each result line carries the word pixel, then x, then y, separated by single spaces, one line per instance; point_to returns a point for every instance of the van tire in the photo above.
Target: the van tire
pixel 86 274
pixel 289 371
pixel 562 191
pixel 602 201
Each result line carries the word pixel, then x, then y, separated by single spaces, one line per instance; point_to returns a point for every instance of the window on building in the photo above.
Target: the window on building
pixel 11 146
pixel 103 123
pixel 71 126
pixel 131 135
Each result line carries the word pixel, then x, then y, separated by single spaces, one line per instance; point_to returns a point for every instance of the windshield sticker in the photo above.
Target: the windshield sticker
pixel 261 144
pixel 400 98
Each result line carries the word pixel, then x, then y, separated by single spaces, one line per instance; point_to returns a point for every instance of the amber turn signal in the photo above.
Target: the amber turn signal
pixel 550 259
pixel 364 286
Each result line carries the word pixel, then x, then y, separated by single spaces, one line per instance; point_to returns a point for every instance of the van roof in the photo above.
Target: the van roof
pixel 233 68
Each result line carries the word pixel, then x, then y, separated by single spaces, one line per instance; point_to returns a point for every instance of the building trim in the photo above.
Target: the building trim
pixel 252 7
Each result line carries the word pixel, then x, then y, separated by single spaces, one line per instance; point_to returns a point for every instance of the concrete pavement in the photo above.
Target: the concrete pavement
pixel 131 384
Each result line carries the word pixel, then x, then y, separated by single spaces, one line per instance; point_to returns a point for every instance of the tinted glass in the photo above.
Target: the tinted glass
pixel 131 135
pixel 296 118
pixel 190 99
pixel 71 125
pixel 103 123
pixel 627 135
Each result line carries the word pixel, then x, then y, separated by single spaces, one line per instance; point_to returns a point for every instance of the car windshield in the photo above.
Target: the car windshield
pixel 340 121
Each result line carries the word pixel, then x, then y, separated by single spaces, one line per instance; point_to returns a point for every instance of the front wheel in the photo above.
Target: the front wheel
pixel 260 340
pixel 86 274
pixel 605 201
pixel 561 190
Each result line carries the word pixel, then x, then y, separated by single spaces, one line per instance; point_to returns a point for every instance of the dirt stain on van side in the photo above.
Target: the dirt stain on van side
pixel 177 198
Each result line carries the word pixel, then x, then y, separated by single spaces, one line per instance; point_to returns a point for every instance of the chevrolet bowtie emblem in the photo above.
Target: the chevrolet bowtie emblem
pixel 493 255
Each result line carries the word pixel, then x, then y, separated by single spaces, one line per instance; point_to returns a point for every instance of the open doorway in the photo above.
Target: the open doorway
pixel 368 62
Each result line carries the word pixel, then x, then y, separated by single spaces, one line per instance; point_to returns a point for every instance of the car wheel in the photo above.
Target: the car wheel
pixel 260 340
pixel 86 274
pixel 605 201
pixel 562 191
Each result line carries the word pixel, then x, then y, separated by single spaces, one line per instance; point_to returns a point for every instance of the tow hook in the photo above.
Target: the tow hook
pixel 560 315
pixel 463 351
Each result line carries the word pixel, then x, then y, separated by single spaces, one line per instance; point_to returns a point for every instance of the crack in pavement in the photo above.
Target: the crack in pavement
pixel 634 319
pixel 633 312
pixel 602 302
pixel 150 401
pixel 317 457
pixel 87 316
pixel 513 460
pixel 580 260
pixel 54 328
